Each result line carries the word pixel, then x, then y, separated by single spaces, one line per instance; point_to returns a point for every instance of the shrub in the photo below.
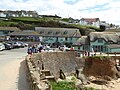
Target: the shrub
pixel 62 85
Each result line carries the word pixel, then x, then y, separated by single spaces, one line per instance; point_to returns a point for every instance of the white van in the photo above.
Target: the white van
pixel 2 47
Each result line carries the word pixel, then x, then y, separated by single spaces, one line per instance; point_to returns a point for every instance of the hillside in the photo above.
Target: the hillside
pixel 29 23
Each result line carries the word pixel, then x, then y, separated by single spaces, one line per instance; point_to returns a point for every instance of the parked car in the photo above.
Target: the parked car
pixel 26 44
pixel 63 47
pixel 2 47
pixel 7 46
pixel 17 44
pixel 22 44
pixel 12 44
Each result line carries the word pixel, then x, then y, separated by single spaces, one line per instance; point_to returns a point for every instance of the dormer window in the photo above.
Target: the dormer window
pixel 100 41
pixel 110 42
pixel 49 32
pixel 57 32
pixel 41 32
pixel 65 32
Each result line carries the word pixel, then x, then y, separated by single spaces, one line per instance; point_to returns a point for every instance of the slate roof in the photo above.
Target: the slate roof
pixel 58 32
pixel 82 41
pixel 90 19
pixel 107 36
pixel 10 28
pixel 24 33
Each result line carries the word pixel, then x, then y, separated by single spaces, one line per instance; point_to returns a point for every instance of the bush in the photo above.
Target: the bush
pixel 63 86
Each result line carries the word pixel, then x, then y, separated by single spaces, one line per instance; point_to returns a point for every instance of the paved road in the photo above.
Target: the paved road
pixel 12 70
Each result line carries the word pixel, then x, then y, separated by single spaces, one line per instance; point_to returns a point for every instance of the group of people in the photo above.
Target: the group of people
pixel 39 48
pixel 34 49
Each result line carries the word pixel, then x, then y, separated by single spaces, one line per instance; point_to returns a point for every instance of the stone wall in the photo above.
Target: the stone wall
pixel 56 61
pixel 33 77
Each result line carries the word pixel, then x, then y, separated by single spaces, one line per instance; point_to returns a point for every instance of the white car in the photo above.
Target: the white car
pixel 2 47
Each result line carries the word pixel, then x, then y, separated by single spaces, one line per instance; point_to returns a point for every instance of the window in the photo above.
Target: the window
pixel 65 32
pixel 41 32
pixel 66 38
pixel 100 41
pixel 57 32
pixel 49 32
pixel 57 39
pixel 110 42
pixel 6 32
pixel 98 48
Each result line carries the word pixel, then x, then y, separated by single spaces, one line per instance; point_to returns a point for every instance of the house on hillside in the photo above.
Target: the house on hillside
pixel 22 13
pixel 4 32
pixel 90 21
pixel 58 35
pixel 2 13
pixel 107 42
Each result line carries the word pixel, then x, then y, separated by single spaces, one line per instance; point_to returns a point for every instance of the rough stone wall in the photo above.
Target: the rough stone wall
pixel 33 77
pixel 54 61
pixel 100 66
pixel 80 62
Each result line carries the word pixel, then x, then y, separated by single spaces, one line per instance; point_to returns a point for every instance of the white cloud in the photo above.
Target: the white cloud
pixel 80 8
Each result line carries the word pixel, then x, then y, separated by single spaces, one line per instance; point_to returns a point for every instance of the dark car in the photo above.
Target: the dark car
pixel 7 46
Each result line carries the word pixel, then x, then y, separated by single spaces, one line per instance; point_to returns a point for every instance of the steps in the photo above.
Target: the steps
pixel 48 75
pixel 46 72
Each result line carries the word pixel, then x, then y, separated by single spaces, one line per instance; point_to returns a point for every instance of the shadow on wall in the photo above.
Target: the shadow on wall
pixel 22 81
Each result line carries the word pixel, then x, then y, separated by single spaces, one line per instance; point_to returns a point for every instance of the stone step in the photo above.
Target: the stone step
pixel 46 72
pixel 50 78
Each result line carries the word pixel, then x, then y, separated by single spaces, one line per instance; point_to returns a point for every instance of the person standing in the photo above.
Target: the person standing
pixel 29 50
pixel 40 48
pixel 34 49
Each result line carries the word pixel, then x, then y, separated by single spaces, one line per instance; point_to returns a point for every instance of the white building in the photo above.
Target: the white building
pixel 90 21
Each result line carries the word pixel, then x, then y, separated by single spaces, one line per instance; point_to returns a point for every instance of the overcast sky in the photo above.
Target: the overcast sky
pixel 106 10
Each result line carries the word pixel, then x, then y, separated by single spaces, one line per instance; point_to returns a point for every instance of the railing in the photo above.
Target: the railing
pixel 84 53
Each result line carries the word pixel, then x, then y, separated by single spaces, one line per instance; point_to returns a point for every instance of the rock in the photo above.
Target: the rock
pixel 118 75
pixel 100 82
pixel 91 78
pixel 83 78
pixel 101 66
pixel 78 83
pixel 108 78
pixel 118 68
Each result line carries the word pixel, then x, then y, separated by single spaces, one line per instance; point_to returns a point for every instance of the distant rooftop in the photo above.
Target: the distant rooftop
pixel 58 32
pixel 10 28
pixel 24 33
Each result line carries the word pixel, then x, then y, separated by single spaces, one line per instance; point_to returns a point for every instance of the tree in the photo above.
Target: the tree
pixel 102 27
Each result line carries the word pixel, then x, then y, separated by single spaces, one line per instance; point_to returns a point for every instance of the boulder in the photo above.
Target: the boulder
pixel 101 66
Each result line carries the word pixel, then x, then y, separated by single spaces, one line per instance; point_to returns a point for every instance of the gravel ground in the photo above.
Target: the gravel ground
pixel 12 67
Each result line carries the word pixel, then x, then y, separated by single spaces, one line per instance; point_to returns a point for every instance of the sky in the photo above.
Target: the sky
pixel 106 10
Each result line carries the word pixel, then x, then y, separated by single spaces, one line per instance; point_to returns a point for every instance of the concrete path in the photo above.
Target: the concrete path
pixel 12 70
